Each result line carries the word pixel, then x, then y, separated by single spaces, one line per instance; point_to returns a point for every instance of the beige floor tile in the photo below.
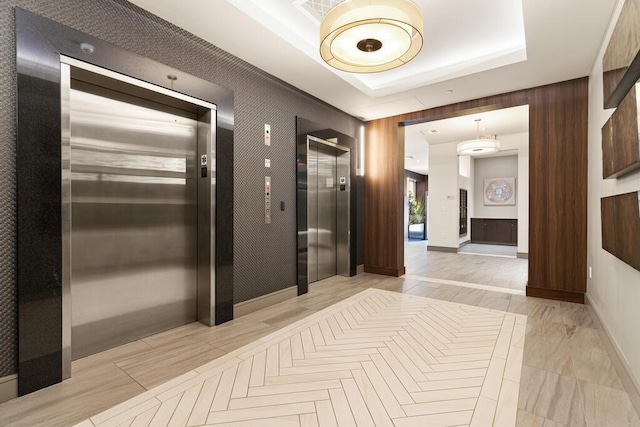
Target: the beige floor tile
pixel 551 395
pixel 160 364
pixel 436 420
pixel 507 409
pixel 548 355
pixel 595 367
pixel 607 407
pixel 262 412
pixel 501 304
pixel 484 412
pixel 469 296
pixel 203 403
pixel 78 367
pixel 355 363
pixel 94 391
pixel 268 400
pixel 326 414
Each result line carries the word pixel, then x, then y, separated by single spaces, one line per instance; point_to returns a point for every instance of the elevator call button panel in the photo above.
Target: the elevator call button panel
pixel 267 200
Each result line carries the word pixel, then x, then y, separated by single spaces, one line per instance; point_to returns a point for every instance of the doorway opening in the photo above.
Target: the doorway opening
pixel 470 235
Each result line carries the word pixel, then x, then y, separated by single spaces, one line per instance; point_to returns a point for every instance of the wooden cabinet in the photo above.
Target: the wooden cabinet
pixel 495 231
pixel 464 218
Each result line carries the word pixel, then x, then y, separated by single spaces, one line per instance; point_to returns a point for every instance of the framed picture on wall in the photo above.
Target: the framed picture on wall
pixel 499 191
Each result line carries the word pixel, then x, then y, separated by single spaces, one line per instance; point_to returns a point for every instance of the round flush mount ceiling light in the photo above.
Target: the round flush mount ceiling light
pixel 370 36
pixel 478 147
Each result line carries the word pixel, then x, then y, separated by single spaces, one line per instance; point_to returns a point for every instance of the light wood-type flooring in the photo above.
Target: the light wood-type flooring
pixel 502 272
pixel 377 358
pixel 569 375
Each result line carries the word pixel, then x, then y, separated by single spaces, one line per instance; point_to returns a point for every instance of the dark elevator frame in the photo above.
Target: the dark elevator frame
pixel 305 128
pixel 41 197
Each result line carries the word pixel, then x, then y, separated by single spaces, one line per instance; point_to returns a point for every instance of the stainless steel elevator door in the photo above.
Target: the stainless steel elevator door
pixel 322 213
pixel 327 211
pixel 134 218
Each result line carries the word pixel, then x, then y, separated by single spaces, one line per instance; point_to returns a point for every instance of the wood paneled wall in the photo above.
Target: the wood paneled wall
pixel 558 115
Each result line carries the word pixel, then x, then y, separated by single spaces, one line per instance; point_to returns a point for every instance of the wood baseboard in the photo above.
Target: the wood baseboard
pixel 442 249
pixel 385 271
pixel 523 255
pixel 555 294
pixel 8 388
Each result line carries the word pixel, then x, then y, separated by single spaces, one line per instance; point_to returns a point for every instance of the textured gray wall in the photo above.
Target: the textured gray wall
pixel 265 255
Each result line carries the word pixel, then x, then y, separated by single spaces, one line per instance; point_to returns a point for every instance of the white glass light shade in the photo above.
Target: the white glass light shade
pixel 369 36
pixel 478 147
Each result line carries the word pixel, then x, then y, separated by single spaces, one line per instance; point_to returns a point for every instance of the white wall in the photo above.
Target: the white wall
pixel 443 206
pixel 614 289
pixel 518 143
pixel 494 167
pixel 445 180
pixel 465 181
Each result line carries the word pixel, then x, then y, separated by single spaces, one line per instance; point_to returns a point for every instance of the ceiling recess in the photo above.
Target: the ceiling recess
pixel 316 9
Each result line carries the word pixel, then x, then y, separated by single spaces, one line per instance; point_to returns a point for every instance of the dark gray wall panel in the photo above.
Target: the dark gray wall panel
pixel 264 255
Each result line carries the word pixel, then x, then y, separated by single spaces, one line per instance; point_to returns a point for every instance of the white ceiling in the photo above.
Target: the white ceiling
pixel 475 48
pixel 457 129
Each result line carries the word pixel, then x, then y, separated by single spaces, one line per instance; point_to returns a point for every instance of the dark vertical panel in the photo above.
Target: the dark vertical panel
pixel 321 130
pixel 39 171
pixel 621 227
pixel 620 141
pixel 224 219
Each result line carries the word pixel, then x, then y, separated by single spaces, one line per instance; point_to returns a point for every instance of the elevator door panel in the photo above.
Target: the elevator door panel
pixel 134 218
pixel 326 214
pixel 312 214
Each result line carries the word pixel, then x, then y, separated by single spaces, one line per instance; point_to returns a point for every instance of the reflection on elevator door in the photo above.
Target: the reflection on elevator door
pixel 134 218
pixel 327 211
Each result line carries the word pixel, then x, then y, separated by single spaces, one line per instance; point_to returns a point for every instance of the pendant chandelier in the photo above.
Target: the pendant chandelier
pixel 478 147
pixel 369 36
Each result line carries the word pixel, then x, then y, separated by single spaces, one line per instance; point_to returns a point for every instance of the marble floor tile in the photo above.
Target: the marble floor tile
pixel 607 407
pixel 445 292
pixel 595 367
pixel 585 339
pixel 552 396
pixel 527 419
pixel 548 356
pixel 469 296
pixel 501 304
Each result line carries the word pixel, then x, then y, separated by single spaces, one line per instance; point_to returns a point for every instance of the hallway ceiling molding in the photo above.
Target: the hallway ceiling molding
pixel 474 48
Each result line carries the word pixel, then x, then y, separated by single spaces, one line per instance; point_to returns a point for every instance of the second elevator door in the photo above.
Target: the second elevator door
pixel 322 209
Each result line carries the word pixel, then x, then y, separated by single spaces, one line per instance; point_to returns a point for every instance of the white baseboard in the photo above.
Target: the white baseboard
pixel 246 307
pixel 8 387
pixel 618 358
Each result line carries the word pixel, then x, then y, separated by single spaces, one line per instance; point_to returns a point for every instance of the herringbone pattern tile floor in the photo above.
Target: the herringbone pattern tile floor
pixel 376 359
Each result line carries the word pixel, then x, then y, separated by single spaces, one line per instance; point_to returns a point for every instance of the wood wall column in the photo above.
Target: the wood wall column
pixel 383 202
pixel 558 124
